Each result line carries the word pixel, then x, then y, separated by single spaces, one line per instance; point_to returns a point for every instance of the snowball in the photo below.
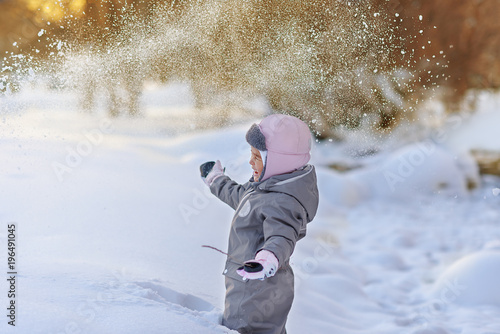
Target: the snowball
pixel 479 131
pixel 472 280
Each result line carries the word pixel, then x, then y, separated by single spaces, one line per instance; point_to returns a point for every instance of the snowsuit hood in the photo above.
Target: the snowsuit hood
pixel 286 141
pixel 301 185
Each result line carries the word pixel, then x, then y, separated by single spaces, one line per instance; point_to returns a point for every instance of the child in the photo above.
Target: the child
pixel 271 214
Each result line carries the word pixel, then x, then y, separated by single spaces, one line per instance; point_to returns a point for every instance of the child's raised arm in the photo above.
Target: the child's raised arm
pixel 221 185
pixel 228 191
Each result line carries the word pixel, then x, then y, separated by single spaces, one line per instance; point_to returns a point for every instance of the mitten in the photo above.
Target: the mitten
pixel 210 171
pixel 264 265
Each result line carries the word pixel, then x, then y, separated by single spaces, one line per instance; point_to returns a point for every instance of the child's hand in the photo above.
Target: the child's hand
pixel 210 171
pixel 264 265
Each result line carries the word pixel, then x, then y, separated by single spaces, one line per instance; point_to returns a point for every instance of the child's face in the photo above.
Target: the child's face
pixel 256 163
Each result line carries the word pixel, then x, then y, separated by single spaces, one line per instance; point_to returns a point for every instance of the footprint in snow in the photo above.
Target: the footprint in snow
pixel 162 294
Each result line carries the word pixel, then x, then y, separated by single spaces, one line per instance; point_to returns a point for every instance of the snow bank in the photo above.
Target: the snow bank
pixel 479 130
pixel 472 280
pixel 339 189
pixel 422 168
pixel 330 296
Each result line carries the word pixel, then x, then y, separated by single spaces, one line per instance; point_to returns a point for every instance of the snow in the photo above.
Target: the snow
pixel 422 168
pixel 472 280
pixel 111 215
pixel 479 131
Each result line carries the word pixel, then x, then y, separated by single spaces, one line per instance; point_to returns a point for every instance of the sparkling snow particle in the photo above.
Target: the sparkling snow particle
pixel 496 191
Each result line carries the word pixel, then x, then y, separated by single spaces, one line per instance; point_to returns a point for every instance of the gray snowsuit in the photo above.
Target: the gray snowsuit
pixel 270 215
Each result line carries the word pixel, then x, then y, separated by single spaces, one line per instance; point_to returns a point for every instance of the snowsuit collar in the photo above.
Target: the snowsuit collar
pixel 301 184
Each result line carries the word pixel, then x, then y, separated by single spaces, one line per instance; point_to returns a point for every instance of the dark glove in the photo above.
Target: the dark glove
pixel 206 168
pixel 210 171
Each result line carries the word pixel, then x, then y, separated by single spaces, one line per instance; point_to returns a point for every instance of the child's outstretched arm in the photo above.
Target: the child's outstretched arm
pixel 210 171
pixel 221 185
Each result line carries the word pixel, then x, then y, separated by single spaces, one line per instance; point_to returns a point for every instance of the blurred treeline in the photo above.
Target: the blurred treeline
pixel 331 62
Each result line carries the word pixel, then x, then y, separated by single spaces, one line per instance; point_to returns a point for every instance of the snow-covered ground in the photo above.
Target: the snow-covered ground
pixel 110 216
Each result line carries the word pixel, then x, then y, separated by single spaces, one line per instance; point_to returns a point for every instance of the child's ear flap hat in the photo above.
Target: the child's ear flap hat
pixel 284 140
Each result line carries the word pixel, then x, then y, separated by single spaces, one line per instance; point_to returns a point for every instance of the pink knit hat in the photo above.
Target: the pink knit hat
pixel 287 141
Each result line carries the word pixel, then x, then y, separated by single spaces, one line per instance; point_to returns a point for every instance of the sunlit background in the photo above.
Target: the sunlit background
pixel 334 63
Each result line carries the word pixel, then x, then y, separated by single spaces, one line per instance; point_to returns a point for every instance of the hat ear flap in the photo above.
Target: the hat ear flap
pixel 263 156
pixel 256 138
